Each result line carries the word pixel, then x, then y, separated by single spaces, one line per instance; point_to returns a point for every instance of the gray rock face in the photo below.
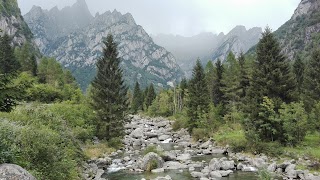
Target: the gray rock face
pixel 174 165
pixel 14 172
pixel 78 45
pixel 221 164
pixel 149 158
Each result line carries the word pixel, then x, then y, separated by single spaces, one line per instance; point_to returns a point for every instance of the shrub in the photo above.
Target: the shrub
pixel 264 175
pixel 153 164
pixel 200 133
pixel 152 149
pixel 44 93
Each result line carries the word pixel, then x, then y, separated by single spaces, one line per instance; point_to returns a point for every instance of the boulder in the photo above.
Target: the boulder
pixel 290 168
pixel 183 157
pixel 215 174
pixel 150 157
pixel 225 173
pixel 164 137
pixel 151 135
pixel 221 164
pixel 206 145
pixel 14 172
pixel 272 167
pixel 137 133
pixel 169 156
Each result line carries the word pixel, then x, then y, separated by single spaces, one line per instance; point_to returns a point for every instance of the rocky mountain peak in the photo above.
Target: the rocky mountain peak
pixel 238 30
pixel 306 7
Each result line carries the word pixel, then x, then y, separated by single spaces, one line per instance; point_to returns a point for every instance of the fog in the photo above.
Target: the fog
pixel 188 17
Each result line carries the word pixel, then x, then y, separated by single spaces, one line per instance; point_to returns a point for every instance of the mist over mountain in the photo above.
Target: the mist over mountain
pixel 74 37
pixel 208 46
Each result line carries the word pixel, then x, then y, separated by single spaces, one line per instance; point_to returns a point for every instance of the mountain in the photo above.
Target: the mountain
pixel 188 49
pixel 301 33
pixel 74 37
pixel 237 40
pixel 208 46
pixel 13 24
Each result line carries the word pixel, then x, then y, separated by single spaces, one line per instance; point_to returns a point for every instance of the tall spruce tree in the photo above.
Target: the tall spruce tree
pixel 299 68
pixel 244 76
pixel 8 68
pixel 272 79
pixel 137 99
pixel 109 93
pixel 312 81
pixel 27 59
pixel 209 72
pixel 151 95
pixel 198 104
pixel 231 81
pixel 217 93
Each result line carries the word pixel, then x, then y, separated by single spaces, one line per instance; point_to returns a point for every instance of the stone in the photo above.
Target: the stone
pixel 174 165
pixel 272 167
pixel 151 135
pixel 163 178
pixel 259 162
pixel 215 174
pixel 290 168
pixel 249 169
pixel 225 173
pixel 151 156
pixel 127 158
pixel 206 144
pixel 137 133
pixel 169 156
pixel 221 164
pixel 164 137
pixel 240 166
pixel 207 152
pixel 183 157
pixel 14 172
pixel 159 170
pixel 196 174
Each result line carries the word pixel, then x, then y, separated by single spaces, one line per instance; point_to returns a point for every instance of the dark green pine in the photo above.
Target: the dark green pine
pixel 109 93
pixel 198 103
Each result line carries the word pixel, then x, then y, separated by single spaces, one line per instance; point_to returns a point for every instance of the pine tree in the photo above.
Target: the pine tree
pixel 272 78
pixel 244 77
pixel 8 68
pixel 109 93
pixel 151 95
pixel 217 93
pixel 26 59
pixel 209 72
pixel 299 68
pixel 137 100
pixel 312 81
pixel 231 81
pixel 198 104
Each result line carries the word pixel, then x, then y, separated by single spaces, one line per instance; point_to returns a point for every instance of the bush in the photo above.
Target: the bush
pixel 295 122
pixel 264 175
pixel 153 164
pixel 152 149
pixel 200 133
pixel 115 143
pixel 44 93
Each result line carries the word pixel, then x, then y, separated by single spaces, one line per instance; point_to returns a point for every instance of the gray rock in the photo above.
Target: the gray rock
pixel 184 157
pixel 272 167
pixel 163 178
pixel 215 174
pixel 196 174
pixel 170 156
pixel 137 133
pixel 151 156
pixel 159 170
pixel 225 173
pixel 14 172
pixel 151 135
pixel 292 173
pixel 174 165
pixel 240 166
pixel 290 168
pixel 206 145
pixel 164 137
pixel 249 169
pixel 259 162
pixel 221 164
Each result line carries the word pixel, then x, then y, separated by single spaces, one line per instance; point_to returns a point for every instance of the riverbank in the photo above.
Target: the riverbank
pixel 152 145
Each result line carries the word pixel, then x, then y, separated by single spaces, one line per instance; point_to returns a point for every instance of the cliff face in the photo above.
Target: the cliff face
pixel 302 32
pixel 78 46
pixel 13 24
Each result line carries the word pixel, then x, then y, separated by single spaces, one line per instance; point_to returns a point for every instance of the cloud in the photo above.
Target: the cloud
pixel 189 17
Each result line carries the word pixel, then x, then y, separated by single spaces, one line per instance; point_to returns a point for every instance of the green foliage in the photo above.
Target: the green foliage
pixel 109 92
pixel 50 72
pixel 295 122
pixel 200 133
pixel 153 164
pixel 198 104
pixel 137 99
pixel 150 96
pixel 8 69
pixel 299 68
pixel 264 175
pixel 27 59
pixel 218 96
pixel 312 81
pixel 272 84
pixel 152 149
pixel 45 93
pixel 314 119
pixel 44 138
pixel 162 105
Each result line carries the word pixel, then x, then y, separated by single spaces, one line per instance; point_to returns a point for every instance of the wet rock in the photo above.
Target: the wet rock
pixel 197 174
pixel 206 145
pixel 174 165
pixel 184 157
pixel 164 137
pixel 272 167
pixel 151 157
pixel 221 164
pixel 137 133
pixel 163 178
pixel 159 170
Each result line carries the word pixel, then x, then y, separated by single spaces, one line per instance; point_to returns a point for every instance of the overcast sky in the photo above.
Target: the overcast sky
pixel 188 17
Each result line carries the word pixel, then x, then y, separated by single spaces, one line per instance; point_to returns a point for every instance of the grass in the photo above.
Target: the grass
pixel 309 147
pixel 152 149
pixel 153 164
pixel 96 150
pixel 229 134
